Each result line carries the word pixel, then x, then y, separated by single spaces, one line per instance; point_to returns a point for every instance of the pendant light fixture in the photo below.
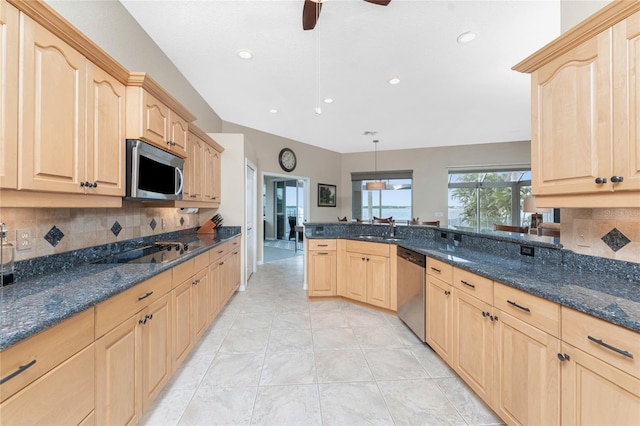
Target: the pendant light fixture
pixel 377 184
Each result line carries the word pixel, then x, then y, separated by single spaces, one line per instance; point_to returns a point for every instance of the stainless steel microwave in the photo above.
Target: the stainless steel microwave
pixel 153 174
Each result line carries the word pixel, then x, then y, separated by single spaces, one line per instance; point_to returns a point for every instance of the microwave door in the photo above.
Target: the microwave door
pixel 179 182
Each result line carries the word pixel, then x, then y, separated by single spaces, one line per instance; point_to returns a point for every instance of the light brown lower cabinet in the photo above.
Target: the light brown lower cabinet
pixel 596 393
pixel 439 316
pixel 200 303
pixel 473 346
pixel 322 264
pixel 156 349
pixel 63 396
pixel 526 373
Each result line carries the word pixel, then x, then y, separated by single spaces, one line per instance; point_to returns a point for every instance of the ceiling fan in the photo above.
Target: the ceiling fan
pixel 311 11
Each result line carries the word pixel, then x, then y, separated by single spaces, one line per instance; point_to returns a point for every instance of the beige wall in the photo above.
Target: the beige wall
pixel 572 12
pixel 317 164
pixel 109 25
pixel 430 171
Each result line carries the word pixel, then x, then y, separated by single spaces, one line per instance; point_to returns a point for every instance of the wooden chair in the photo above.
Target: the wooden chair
pixel 382 220
pixel 428 222
pixel 550 230
pixel 508 228
pixel 342 219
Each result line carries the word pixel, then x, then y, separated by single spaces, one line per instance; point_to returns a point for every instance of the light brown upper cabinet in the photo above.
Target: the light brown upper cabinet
pixel 9 34
pixel 585 106
pixel 202 171
pixel 154 116
pixel 62 113
pixel 52 111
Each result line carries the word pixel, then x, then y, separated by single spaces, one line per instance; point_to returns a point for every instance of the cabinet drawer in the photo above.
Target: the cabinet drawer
pixel 64 396
pixel 216 253
pixel 182 272
pixel 442 270
pixel 533 310
pixel 322 245
pixel 44 351
pixel 201 262
pixel 613 344
pixel 364 247
pixel 113 311
pixel 473 284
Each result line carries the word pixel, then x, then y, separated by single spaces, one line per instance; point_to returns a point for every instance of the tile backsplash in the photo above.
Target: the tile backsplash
pixel 59 230
pixel 610 233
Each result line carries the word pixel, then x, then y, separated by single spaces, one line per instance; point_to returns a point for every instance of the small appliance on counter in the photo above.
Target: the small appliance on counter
pixel 210 226
pixel 6 258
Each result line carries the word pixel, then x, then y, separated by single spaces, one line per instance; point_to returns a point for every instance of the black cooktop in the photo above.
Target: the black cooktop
pixel 159 252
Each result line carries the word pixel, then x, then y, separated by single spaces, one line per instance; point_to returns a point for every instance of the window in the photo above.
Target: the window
pixel 478 199
pixel 393 201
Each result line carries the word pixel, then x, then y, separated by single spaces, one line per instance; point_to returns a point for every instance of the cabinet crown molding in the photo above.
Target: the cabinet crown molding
pixel 48 18
pixel 143 80
pixel 205 137
pixel 606 17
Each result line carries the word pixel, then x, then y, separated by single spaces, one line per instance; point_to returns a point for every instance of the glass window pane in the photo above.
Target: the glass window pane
pixel 495 207
pixel 395 201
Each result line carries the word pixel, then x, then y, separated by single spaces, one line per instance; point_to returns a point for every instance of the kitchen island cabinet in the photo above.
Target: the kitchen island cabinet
pixel 322 267
pixel 366 273
pixel 585 102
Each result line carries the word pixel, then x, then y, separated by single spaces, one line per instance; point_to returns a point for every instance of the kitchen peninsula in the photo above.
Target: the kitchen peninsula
pixel 501 309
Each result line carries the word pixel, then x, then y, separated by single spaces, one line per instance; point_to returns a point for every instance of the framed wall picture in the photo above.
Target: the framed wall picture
pixel 326 195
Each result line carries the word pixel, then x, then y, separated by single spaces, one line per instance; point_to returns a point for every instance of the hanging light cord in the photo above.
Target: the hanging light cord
pixel 318 109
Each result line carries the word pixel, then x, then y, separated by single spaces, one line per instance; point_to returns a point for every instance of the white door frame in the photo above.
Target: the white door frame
pixel 252 193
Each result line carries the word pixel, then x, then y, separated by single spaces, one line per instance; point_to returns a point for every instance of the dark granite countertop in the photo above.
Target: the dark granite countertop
pixel 41 301
pixel 606 289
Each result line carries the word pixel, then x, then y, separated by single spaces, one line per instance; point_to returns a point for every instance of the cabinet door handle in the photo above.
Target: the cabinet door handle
pixel 436 269
pixel 601 180
pixel 20 369
pixel 515 305
pixel 564 357
pixel 145 296
pixel 447 292
pixel 617 179
pixel 467 284
pixel 613 348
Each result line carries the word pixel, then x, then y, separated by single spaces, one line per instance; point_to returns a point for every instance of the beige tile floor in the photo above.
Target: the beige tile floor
pixel 273 358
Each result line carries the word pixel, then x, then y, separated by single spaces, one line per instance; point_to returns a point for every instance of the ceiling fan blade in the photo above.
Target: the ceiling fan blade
pixel 379 2
pixel 310 14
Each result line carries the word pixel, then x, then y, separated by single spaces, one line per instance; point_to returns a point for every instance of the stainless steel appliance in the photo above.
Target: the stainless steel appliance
pixel 159 252
pixel 153 174
pixel 412 290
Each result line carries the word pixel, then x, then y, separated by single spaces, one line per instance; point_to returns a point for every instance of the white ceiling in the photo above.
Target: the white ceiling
pixel 449 94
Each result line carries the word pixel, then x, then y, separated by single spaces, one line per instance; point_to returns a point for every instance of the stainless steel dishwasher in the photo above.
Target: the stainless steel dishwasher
pixel 412 290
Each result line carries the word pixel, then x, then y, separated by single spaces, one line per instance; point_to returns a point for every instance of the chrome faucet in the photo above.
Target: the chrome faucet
pixel 392 224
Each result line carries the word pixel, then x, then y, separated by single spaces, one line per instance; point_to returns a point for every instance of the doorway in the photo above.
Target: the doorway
pixel 250 214
pixel 285 208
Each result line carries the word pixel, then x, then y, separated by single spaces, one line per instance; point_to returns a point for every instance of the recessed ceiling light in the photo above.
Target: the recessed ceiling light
pixel 328 100
pixel 394 80
pixel 273 110
pixel 245 54
pixel 466 37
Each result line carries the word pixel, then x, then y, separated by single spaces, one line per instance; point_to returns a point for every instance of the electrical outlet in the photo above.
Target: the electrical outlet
pixel 24 239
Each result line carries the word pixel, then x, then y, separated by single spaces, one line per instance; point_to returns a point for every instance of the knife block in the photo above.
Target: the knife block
pixel 208 228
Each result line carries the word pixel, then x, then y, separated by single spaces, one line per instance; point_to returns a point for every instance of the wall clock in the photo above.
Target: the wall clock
pixel 287 159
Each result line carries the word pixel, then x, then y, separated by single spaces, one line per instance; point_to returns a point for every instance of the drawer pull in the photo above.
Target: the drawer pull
pixel 436 269
pixel 145 296
pixel 467 284
pixel 220 251
pixel 515 305
pixel 323 245
pixel 18 371
pixel 613 348
pixel 322 253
